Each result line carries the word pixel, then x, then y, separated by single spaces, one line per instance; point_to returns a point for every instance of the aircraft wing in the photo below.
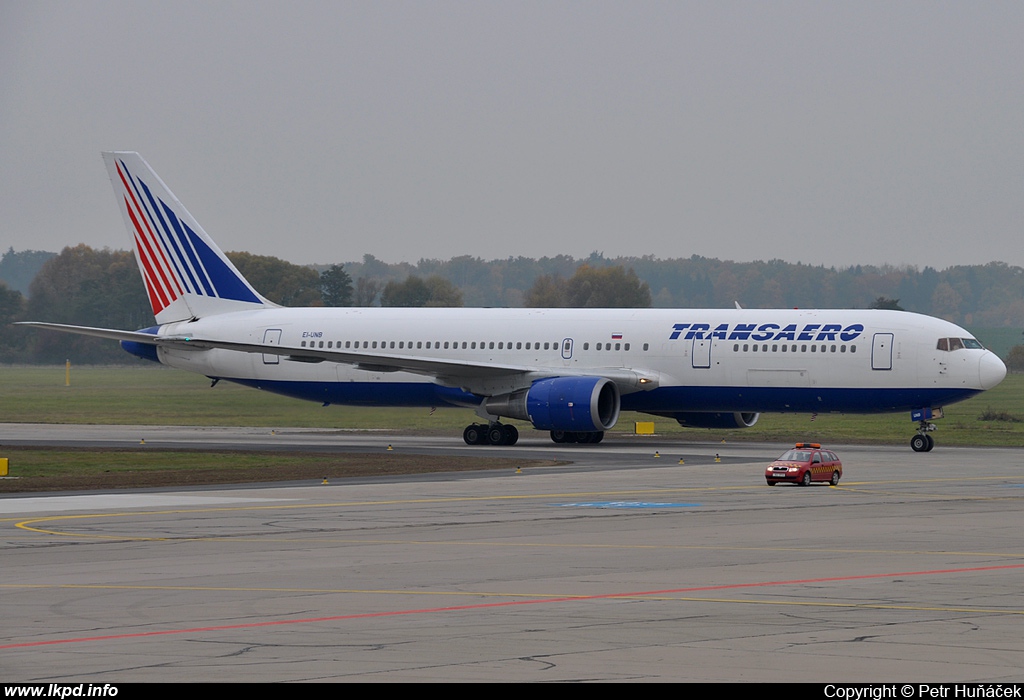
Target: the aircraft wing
pixel 478 377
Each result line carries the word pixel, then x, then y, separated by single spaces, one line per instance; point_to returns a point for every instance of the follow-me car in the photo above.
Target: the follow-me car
pixel 566 371
pixel 806 462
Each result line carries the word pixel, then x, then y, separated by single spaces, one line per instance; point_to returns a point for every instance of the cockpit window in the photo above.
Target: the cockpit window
pixel 950 344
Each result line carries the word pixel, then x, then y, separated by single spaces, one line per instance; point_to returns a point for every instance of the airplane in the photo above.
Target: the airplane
pixel 566 371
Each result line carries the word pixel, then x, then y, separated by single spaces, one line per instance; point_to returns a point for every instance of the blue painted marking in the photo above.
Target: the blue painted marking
pixel 143 350
pixel 663 400
pixel 626 504
pixel 226 283
pixel 714 399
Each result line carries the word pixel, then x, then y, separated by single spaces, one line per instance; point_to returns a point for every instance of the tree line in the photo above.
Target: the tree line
pixel 102 288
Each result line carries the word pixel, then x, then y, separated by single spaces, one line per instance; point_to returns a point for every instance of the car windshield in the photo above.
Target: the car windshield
pixel 795 456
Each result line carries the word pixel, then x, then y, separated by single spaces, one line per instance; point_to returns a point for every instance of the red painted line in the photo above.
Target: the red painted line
pixel 149 260
pixel 156 299
pixel 161 263
pixel 502 604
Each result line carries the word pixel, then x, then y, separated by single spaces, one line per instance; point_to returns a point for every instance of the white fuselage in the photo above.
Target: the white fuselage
pixel 692 359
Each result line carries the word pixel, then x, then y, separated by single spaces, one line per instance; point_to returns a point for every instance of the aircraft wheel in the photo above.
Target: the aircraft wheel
pixel 598 437
pixel 473 435
pixel 496 434
pixel 511 435
pixel 919 443
pixel 931 443
pixel 558 436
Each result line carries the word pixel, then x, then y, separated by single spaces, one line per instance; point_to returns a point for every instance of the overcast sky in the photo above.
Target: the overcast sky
pixel 825 132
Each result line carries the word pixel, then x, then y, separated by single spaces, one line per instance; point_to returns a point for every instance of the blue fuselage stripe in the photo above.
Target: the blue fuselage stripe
pixel 661 400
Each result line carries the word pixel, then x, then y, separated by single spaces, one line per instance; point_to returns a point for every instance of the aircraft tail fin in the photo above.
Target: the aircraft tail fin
pixel 187 276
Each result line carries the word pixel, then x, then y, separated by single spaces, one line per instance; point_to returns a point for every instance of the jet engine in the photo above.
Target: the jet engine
pixel 577 404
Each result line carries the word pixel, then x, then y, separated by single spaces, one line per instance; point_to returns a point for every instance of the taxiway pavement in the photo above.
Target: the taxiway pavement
pixel 622 566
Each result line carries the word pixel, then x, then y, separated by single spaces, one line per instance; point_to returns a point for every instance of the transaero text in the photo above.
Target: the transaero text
pixel 815 332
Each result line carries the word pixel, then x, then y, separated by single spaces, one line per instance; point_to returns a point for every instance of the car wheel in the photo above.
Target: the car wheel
pixel 835 478
pixel 806 481
pixel 772 483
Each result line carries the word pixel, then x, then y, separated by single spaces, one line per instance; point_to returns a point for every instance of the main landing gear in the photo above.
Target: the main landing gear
pixel 566 436
pixel 490 434
pixel 923 442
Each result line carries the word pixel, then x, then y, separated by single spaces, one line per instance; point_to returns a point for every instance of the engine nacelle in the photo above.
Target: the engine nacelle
pixel 716 420
pixel 577 404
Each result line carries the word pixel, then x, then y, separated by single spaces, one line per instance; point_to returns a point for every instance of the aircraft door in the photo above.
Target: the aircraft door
pixel 701 354
pixel 881 351
pixel 272 336
pixel 567 349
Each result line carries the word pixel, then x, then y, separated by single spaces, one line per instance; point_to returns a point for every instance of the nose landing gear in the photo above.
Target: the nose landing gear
pixel 923 442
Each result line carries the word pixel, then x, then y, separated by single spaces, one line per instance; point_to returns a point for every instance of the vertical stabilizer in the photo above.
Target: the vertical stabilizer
pixel 186 273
